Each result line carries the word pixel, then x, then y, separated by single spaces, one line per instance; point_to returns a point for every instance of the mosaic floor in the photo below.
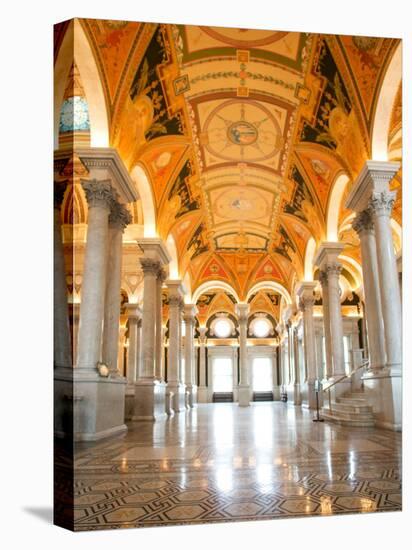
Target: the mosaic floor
pixel 221 463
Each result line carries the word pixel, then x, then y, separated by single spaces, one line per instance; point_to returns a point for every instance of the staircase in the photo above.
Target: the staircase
pixel 351 409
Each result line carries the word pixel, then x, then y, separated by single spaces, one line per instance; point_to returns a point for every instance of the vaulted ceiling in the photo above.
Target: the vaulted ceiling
pixel 242 134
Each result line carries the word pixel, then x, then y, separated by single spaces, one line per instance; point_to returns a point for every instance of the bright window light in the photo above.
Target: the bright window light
pixel 261 328
pixel 222 374
pixel 222 328
pixel 262 374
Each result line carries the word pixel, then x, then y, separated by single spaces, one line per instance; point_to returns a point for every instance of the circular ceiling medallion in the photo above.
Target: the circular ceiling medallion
pixel 240 204
pixel 242 133
pixel 242 38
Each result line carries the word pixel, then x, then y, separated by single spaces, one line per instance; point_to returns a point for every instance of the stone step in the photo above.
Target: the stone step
pixel 346 415
pixel 330 416
pixel 351 401
pixel 349 407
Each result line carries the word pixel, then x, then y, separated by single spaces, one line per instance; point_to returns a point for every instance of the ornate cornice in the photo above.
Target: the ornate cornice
pixel 363 222
pixel 99 193
pixel 381 204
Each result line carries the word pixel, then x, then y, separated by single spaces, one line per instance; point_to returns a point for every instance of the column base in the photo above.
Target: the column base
pixel 244 396
pixel 149 400
pixel 192 390
pixel 179 396
pixel 129 402
pixel 202 394
pixel 276 393
pixel 383 391
pixel 88 407
pixel 294 394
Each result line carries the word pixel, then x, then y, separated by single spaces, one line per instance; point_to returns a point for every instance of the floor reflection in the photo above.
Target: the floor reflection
pixel 221 462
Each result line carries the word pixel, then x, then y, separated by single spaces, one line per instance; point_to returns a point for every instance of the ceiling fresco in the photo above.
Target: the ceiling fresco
pixel 242 134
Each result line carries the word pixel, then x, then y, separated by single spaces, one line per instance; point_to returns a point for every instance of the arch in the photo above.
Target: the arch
pixel 384 105
pixel 353 267
pixel 271 285
pixel 397 229
pixel 334 203
pixel 209 285
pixel 308 262
pixel 174 263
pixel 144 188
pixel 187 283
pixel 75 45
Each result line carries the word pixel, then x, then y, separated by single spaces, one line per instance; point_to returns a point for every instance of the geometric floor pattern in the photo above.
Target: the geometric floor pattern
pixel 220 463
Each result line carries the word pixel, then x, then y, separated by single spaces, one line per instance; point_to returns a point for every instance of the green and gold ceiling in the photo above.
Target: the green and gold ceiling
pixel 242 134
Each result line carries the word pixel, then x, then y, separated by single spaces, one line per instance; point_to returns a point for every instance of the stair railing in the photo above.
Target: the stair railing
pixel 364 363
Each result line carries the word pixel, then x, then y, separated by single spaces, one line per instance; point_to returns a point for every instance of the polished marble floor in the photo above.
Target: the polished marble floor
pixel 221 463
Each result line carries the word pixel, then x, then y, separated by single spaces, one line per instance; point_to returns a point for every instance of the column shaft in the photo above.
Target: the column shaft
pixel 363 225
pixel 335 312
pixel 61 325
pixel 150 270
pixel 100 198
pixel 323 277
pixel 381 207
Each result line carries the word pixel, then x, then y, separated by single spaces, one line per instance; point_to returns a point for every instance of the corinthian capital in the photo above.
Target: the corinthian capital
pixel 99 193
pixel 323 277
pixel 333 269
pixel 120 216
pixel 175 301
pixel 162 275
pixel 381 204
pixel 150 266
pixel 363 222
pixel 306 303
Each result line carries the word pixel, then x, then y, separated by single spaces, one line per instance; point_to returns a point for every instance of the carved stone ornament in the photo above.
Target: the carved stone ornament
pixel 323 277
pixel 99 193
pixel 334 269
pixel 103 370
pixel 363 222
pixel 120 216
pixel 162 275
pixel 59 191
pixel 175 301
pixel 381 204
pixel 306 303
pixel 150 266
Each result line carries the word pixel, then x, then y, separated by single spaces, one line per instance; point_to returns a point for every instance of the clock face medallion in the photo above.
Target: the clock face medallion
pixel 74 115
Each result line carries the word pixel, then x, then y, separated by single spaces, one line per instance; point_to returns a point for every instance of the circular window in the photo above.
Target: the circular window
pixel 261 328
pixel 222 328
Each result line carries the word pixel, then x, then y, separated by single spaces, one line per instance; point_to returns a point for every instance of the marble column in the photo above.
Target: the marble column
pixel 363 225
pixel 161 277
pixel 133 356
pixel 100 197
pixel 242 311
pixel 327 260
pixel 189 317
pixel 149 401
pixel 380 207
pixel 202 390
pixel 371 192
pixel 297 398
pixel 323 279
pixel 96 391
pixel 175 382
pixel 119 218
pixel 276 381
pixel 306 302
pixel 61 326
